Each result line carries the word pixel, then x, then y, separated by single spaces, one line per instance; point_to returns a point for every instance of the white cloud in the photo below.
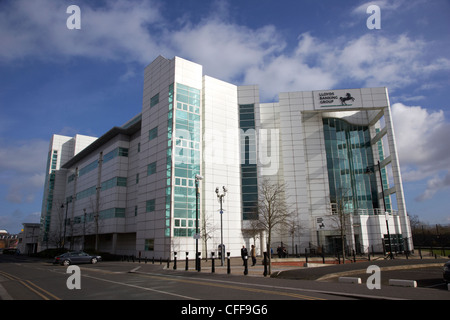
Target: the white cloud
pixel 383 4
pixel 421 137
pixel 423 147
pixel 287 73
pixel 435 185
pixel 376 60
pixel 226 50
pixel 116 31
pixel 22 169
pixel 138 31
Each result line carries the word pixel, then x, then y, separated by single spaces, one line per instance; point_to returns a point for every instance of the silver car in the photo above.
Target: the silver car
pixel 76 257
pixel 446 274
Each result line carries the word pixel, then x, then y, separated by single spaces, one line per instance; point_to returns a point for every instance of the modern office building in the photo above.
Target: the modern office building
pixel 141 188
pixel 54 205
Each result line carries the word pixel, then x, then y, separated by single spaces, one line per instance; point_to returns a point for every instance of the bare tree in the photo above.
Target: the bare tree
pixel 341 219
pixel 207 230
pixel 293 229
pixel 254 230
pixel 272 210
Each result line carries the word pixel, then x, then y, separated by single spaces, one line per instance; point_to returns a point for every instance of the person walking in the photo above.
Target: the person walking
pixel 244 254
pixel 253 254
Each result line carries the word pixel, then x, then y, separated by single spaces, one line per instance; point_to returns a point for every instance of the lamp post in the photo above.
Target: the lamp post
pixel 197 262
pixel 220 197
pixel 384 206
pixel 84 227
pixel 65 222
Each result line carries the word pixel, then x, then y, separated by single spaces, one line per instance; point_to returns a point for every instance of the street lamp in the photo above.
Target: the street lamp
pixel 369 171
pixel 84 227
pixel 197 262
pixel 220 197
pixel 65 222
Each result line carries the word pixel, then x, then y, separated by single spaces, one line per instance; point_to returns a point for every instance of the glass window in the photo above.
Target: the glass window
pixel 154 100
pixel 149 245
pixel 152 134
pixel 348 156
pixel 93 165
pixel 150 205
pixel 121 181
pixel 151 168
pixel 123 152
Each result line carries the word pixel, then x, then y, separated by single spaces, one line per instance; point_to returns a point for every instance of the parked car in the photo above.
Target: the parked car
pixel 11 251
pixel 447 272
pixel 76 257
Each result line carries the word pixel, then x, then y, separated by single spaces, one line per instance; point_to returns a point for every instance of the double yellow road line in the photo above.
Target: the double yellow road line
pixel 44 294
pixel 232 286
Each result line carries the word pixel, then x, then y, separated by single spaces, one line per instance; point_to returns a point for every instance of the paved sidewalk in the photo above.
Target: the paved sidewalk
pixel 399 268
pixel 236 267
pixel 297 269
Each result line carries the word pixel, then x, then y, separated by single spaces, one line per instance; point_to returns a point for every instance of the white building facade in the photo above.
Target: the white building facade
pixel 147 188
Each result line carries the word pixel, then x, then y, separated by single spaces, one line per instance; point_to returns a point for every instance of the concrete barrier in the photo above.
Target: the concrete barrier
pixel 403 283
pixel 350 280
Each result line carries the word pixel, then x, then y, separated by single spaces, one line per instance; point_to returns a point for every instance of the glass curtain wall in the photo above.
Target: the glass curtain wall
pixel 349 154
pixel 249 175
pixel 187 158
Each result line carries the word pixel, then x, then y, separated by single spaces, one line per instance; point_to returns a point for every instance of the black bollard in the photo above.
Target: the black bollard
pixel 228 263
pixel 174 261
pixel 245 265
pixel 265 264
pixel 213 269
pixel 199 262
pixel 187 262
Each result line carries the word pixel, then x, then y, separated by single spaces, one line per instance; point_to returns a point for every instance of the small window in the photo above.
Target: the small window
pixel 149 244
pixel 154 100
pixel 151 168
pixel 150 205
pixel 152 134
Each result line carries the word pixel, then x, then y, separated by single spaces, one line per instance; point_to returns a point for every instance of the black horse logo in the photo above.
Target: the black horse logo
pixel 347 97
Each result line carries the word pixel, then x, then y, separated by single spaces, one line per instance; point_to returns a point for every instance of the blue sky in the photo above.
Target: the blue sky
pixel 56 80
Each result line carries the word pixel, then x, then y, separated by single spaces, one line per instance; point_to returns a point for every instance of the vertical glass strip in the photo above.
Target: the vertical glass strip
pixel 249 174
pixel 169 163
pixel 186 157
